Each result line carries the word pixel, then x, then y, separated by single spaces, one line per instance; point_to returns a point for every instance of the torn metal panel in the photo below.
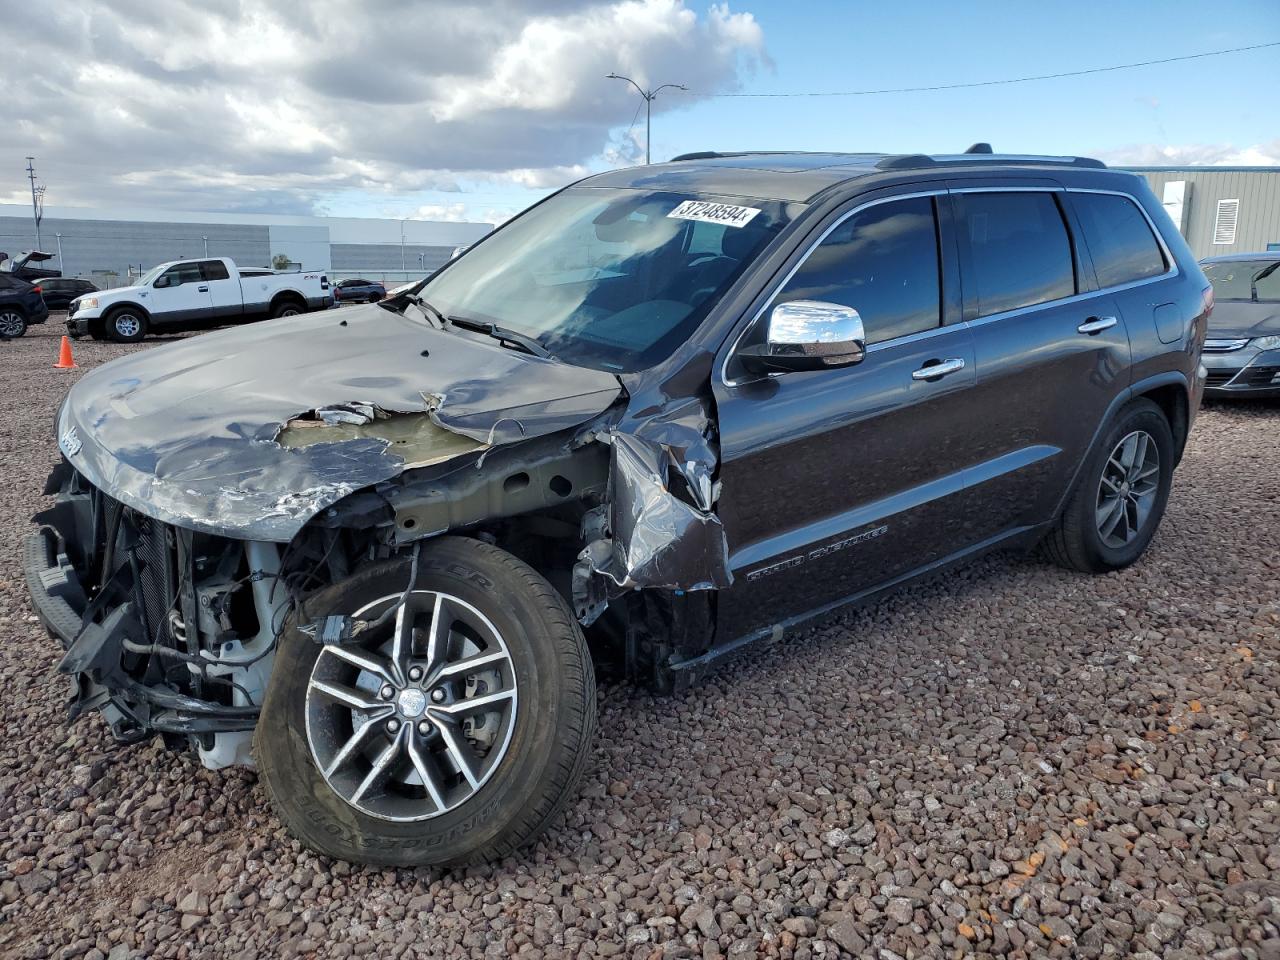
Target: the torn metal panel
pixel 662 529
pixel 187 433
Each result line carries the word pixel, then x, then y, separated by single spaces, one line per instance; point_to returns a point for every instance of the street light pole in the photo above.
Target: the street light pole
pixel 35 207
pixel 648 106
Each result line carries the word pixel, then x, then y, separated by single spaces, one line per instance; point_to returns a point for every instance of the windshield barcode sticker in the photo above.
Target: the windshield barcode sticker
pixel 709 212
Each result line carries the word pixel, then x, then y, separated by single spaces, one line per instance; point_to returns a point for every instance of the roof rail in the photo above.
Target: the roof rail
pixel 917 161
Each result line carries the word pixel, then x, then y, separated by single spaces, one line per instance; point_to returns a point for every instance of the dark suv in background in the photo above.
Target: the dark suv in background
pixel 58 292
pixel 669 410
pixel 356 290
pixel 20 306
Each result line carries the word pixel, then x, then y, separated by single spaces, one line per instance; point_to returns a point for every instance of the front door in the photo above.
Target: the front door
pixel 179 294
pixel 837 481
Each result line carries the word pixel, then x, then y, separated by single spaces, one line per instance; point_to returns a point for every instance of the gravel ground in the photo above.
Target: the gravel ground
pixel 1009 760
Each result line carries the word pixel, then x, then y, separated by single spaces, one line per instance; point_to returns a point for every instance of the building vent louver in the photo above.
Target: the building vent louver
pixel 1224 224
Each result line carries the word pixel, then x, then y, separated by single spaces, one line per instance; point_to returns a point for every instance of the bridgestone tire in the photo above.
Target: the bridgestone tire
pixel 550 743
pixel 1075 542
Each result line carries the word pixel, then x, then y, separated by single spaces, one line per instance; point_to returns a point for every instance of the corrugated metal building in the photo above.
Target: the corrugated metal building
pixel 108 246
pixel 1220 209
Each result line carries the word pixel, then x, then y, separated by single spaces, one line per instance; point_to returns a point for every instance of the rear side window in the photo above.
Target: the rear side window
pixel 1120 240
pixel 883 262
pixel 1018 251
pixel 214 270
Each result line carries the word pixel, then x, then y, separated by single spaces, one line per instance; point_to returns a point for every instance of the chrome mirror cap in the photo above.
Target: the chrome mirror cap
pixel 808 335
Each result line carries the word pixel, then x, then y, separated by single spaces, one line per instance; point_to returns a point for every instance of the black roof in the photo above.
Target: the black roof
pixel 798 176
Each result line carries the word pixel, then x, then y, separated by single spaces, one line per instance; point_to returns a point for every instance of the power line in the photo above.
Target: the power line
pixel 996 83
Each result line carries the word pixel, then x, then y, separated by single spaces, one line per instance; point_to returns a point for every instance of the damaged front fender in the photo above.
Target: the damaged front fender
pixel 661 529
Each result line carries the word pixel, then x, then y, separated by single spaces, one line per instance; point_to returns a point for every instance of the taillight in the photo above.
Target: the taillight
pixel 38 289
pixel 1207 296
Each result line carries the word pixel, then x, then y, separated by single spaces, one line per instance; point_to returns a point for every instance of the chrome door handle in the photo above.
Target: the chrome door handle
pixel 202 289
pixel 1096 325
pixel 940 369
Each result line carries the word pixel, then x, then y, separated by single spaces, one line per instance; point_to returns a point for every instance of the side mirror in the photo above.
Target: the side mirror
pixel 808 335
pixel 164 280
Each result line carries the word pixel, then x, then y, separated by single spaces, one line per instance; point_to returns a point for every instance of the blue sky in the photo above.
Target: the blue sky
pixel 1122 115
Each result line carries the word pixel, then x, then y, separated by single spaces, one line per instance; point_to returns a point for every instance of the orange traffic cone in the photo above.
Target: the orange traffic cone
pixel 65 360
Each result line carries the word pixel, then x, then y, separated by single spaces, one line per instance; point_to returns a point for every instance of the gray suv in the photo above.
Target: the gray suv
pixel 664 413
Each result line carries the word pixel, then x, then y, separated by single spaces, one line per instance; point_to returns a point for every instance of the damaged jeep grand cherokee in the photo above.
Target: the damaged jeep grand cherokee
pixel 669 410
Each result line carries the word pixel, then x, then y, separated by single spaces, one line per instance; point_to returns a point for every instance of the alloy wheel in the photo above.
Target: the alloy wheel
pixel 12 324
pixel 1127 489
pixel 408 720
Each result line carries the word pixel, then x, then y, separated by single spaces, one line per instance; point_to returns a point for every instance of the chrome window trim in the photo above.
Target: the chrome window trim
pixel 1173 271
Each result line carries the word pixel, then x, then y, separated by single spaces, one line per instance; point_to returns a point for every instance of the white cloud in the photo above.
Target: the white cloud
pixel 1208 154
pixel 241 104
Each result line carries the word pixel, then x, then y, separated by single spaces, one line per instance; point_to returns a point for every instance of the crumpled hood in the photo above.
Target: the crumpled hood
pixel 1233 319
pixel 187 433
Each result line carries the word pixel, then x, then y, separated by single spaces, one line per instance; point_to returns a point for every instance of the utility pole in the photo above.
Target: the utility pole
pixel 37 199
pixel 648 106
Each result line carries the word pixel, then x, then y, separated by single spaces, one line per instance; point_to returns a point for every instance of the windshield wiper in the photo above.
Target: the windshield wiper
pixel 504 335
pixel 432 313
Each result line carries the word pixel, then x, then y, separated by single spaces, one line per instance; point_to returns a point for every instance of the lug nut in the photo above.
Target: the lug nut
pixel 393 725
pixel 437 695
pixel 415 673
pixel 387 692
pixel 424 728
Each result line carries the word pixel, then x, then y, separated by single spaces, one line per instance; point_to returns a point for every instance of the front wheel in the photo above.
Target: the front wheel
pixel 126 325
pixel 452 729
pixel 1116 505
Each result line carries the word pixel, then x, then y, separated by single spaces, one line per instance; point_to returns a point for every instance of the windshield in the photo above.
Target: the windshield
pixel 1238 279
pixel 610 279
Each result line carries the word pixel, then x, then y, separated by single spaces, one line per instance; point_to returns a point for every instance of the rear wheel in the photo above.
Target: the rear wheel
pixel 451 730
pixel 126 325
pixel 12 323
pixel 286 308
pixel 1120 495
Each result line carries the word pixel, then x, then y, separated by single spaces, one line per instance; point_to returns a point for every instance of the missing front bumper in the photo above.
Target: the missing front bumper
pixel 95 622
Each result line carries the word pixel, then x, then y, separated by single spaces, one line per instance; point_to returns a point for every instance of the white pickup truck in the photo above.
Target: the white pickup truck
pixel 189 294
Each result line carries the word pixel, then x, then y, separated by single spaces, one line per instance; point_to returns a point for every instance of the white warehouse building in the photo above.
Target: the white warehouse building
pixel 107 246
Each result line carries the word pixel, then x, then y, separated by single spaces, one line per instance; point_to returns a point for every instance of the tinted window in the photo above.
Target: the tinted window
pixel 883 262
pixel 1018 250
pixel 1120 239
pixel 214 270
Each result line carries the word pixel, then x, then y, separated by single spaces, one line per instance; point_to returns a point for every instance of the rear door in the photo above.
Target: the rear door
pixel 836 481
pixel 224 289
pixel 184 298
pixel 1052 351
